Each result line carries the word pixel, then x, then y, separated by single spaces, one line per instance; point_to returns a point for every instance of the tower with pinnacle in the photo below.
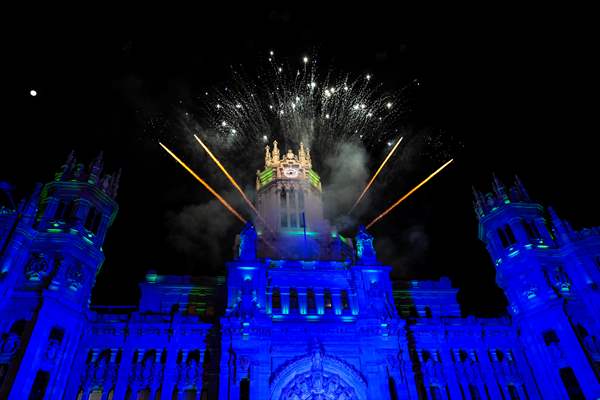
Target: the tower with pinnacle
pixel 548 273
pixel 51 254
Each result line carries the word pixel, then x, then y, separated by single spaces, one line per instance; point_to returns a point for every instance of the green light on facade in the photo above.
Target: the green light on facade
pixel 52 230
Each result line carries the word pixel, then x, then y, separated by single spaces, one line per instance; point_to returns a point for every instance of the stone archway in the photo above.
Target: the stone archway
pixel 317 385
pixel 317 376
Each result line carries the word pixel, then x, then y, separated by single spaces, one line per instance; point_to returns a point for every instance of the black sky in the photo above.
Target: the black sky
pixel 519 91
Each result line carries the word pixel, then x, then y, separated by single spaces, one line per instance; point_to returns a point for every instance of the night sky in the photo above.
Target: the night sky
pixel 511 95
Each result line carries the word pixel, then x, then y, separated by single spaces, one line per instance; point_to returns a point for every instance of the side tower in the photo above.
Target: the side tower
pixel 48 267
pixel 547 284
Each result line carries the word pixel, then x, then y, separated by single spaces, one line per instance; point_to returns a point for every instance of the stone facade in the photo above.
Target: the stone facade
pixel 303 312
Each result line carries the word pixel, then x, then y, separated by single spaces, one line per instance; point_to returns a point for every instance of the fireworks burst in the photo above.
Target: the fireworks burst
pixel 298 102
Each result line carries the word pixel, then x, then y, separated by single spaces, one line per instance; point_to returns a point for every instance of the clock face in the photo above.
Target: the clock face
pixel 290 172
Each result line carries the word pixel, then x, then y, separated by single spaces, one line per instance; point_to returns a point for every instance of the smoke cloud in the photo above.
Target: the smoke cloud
pixel 202 233
pixel 346 175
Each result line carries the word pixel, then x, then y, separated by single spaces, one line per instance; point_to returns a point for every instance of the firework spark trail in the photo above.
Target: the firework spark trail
pixel 233 182
pixel 383 214
pixel 374 176
pixel 206 185
pixel 301 104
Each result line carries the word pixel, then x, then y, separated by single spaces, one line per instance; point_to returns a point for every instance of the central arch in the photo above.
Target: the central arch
pixel 331 379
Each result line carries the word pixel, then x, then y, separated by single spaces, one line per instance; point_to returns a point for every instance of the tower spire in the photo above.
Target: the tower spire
pixel 268 160
pixel 96 168
pixel 275 154
pixel 499 188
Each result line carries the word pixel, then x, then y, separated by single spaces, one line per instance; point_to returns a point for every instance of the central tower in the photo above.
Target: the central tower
pixel 289 199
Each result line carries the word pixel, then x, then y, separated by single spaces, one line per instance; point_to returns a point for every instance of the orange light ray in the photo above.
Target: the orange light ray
pixel 383 214
pixel 375 176
pixel 233 182
pixel 206 185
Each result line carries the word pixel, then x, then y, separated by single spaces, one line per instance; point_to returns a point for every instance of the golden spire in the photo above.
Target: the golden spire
pixel 275 154
pixel 301 154
pixel 268 160
pixel 308 161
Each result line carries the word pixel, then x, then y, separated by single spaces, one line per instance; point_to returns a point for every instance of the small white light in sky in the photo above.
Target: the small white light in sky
pixel 389 144
pixel 327 116
pixel 346 88
pixel 368 76
pixel 312 84
pixel 305 59
pixel 369 114
pixel 279 69
pixel 389 105
pixel 233 131
pixel 362 106
pixel 265 138
pixel 33 93
pixel 223 123
pixel 218 106
pixel 271 53
pixel 281 112
pixel 238 106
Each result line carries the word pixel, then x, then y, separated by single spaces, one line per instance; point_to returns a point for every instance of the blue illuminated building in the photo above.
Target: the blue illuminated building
pixel 303 312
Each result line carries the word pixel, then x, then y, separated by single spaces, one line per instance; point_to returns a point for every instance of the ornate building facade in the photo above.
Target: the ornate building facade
pixel 303 312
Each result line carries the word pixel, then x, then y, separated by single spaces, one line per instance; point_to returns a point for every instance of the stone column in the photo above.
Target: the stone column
pixel 169 373
pixel 124 372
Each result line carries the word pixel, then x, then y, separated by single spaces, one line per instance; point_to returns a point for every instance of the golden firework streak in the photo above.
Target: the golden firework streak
pixel 374 176
pixel 233 182
pixel 206 185
pixel 383 214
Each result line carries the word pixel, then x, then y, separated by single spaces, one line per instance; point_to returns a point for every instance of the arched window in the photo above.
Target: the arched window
pixel 503 238
pixel 301 216
pixel 571 383
pixel 276 301
pixel 428 312
pixel 292 209
pixel 392 386
pixel 310 301
pixel 327 299
pixel 293 299
pixel 436 392
pixel 92 221
pixel 57 334
pixel 474 392
pixel 60 210
pixel 513 392
pixel 550 337
pixel 38 390
pixel 345 300
pixel 510 235
pixel 283 208
pixel 245 389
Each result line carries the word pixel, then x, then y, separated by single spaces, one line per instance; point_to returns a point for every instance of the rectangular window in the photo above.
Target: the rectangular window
pixel 327 299
pixel 571 384
pixel 310 301
pixel 345 300
pixel 294 299
pixel 276 300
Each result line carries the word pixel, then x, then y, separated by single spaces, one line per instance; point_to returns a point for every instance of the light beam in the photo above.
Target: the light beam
pixel 383 214
pixel 206 185
pixel 374 176
pixel 233 182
